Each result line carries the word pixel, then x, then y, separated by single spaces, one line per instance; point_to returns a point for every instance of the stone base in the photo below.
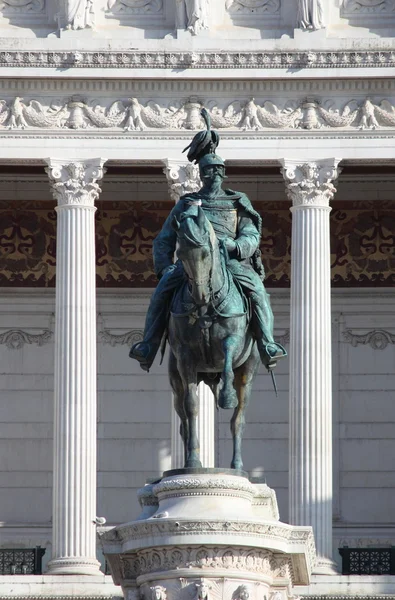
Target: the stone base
pixel 74 566
pixel 55 587
pixel 208 536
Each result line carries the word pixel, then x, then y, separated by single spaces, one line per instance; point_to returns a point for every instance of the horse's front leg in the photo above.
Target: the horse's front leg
pixel 244 376
pixel 228 396
pixel 191 407
pixel 179 399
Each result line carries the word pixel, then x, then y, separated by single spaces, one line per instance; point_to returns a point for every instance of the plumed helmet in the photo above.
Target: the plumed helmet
pixel 204 142
pixel 210 159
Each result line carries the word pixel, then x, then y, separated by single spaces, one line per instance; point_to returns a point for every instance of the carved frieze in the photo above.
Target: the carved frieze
pixel 217 60
pixel 134 115
pixel 232 558
pixel 22 6
pixel 375 7
pixel 253 7
pixel 135 7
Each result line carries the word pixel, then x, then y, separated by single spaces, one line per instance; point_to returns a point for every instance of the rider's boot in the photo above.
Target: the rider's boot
pixel 262 325
pixel 155 326
pixel 145 353
pixel 270 353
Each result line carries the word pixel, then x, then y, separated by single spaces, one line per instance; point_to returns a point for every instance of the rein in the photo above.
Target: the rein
pixel 214 301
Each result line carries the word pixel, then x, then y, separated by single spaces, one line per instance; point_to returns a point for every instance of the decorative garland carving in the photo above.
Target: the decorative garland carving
pixel 133 115
pixel 367 6
pixel 202 557
pixel 378 339
pixel 21 6
pixel 253 7
pixel 124 339
pixel 15 339
pixel 135 7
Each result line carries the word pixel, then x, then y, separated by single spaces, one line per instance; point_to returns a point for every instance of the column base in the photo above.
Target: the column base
pixel 74 566
pixel 325 566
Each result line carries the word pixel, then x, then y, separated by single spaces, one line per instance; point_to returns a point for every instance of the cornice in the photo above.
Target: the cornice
pixel 217 60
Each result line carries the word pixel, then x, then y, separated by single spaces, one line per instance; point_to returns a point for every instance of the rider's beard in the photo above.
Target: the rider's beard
pixel 213 185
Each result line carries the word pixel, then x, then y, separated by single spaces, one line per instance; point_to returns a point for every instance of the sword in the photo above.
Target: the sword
pixel 274 382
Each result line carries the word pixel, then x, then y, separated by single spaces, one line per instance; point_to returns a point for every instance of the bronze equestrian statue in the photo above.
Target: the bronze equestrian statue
pixel 211 303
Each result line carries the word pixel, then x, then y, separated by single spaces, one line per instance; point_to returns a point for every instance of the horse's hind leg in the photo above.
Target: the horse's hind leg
pixel 179 394
pixel 244 376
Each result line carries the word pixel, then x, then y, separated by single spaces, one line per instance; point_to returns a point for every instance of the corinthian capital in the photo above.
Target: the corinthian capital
pixel 75 183
pixel 310 183
pixel 182 177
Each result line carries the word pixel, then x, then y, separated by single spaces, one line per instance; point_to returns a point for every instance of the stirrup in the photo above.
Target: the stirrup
pixel 142 355
pixel 269 359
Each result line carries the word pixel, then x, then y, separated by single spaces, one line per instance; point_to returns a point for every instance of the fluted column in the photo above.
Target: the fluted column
pixel 183 178
pixel 310 187
pixel 74 186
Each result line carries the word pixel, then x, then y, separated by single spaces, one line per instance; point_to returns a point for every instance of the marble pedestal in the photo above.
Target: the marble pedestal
pixel 209 535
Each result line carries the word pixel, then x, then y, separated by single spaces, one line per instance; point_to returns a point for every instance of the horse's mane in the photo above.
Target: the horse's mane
pixel 196 231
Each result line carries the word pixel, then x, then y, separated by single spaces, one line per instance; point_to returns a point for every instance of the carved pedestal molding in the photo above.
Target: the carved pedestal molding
pixel 183 178
pixel 310 187
pixel 74 186
pixel 208 536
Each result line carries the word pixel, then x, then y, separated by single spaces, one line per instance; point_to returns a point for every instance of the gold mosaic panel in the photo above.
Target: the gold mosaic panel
pixel 362 242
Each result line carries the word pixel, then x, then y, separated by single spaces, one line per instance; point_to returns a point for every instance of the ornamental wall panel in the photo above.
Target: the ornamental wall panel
pixel 362 243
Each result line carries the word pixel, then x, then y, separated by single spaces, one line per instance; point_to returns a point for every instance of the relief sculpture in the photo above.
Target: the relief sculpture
pixel 192 15
pixel 253 6
pixel 134 6
pixel 310 14
pixel 22 6
pixel 76 14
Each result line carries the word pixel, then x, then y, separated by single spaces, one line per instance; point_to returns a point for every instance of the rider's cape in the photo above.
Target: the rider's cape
pixel 165 243
pixel 243 202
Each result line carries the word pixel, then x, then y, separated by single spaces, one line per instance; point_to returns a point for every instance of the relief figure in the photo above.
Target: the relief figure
pixel 192 15
pixel 310 14
pixel 76 14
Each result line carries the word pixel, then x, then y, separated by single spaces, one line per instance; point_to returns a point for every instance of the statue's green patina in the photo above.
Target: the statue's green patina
pixel 219 306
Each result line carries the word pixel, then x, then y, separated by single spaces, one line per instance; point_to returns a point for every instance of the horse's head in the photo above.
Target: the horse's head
pixel 196 244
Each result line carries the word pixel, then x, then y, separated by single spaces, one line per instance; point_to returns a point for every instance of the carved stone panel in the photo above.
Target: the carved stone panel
pixel 368 11
pixel 135 7
pixel 21 7
pixel 253 7
pixel 146 13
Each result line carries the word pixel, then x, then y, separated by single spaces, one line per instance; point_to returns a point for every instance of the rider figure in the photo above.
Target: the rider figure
pixel 238 225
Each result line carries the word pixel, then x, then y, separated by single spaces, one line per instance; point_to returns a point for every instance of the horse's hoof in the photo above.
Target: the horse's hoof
pixel 228 400
pixel 238 466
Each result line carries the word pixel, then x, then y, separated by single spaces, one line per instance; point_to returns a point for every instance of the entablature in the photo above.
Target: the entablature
pixel 151 119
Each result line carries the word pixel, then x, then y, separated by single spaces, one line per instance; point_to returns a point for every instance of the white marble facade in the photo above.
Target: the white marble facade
pixel 123 81
pixel 134 410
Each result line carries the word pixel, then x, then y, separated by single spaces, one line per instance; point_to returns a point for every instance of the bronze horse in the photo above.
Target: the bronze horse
pixel 209 335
